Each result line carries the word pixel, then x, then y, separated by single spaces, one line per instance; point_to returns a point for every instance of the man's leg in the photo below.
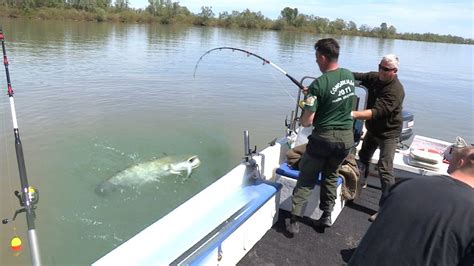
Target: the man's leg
pixel 338 151
pixel 385 165
pixel 328 192
pixel 369 145
pixel 329 185
pixel 309 168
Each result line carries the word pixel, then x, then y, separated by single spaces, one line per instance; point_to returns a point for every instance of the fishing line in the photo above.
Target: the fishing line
pixel 248 53
pixel 265 61
pixel 282 86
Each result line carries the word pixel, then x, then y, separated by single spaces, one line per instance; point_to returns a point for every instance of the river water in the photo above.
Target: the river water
pixel 95 98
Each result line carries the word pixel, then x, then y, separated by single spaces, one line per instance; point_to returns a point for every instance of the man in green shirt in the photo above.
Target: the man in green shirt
pixel 328 104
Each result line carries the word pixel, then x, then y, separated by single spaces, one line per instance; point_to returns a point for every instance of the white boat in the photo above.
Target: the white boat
pixel 223 222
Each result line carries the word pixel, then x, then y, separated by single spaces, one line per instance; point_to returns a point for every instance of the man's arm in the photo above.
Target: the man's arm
pixel 307 118
pixel 362 115
pixel 362 77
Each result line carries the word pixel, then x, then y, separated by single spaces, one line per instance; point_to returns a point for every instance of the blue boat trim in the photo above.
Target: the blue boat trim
pixel 259 193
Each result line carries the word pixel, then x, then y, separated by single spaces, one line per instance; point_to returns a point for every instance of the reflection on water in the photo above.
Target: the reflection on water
pixel 95 98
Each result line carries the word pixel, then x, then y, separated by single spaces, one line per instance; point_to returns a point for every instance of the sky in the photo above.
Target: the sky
pixel 455 17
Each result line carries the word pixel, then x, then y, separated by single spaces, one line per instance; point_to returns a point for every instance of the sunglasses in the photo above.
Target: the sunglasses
pixel 386 69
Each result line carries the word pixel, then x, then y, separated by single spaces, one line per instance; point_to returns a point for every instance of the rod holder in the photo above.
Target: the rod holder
pixel 246 143
pixel 248 153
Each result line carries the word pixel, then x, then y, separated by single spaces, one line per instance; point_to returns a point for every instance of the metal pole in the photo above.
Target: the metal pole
pixel 246 143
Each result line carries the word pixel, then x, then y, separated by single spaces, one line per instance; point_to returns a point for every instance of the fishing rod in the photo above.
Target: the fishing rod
pixel 29 196
pixel 265 61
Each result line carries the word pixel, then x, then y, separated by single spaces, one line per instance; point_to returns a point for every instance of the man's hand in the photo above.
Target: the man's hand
pixel 305 91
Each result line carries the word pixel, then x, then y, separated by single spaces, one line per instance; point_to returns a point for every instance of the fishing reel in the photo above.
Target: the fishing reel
pixel 33 199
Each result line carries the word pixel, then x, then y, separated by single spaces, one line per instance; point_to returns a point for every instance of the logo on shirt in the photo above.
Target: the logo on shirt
pixel 341 84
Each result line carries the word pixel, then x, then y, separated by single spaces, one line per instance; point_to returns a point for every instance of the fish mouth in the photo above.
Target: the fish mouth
pixel 194 161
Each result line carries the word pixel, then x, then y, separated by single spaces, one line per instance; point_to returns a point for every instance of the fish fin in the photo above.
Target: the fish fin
pixel 189 170
pixel 175 172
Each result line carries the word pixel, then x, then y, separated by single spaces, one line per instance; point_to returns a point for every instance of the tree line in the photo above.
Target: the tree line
pixel 169 12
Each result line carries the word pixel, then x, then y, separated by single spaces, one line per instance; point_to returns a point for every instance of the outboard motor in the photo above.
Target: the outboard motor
pixel 408 124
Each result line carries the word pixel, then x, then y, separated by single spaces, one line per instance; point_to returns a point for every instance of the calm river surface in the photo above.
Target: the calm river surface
pixel 95 98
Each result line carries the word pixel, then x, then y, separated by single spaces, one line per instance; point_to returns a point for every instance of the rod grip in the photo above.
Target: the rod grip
pixel 295 81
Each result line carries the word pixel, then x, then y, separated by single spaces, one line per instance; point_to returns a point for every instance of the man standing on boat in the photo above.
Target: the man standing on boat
pixel 328 104
pixel 428 220
pixel 384 120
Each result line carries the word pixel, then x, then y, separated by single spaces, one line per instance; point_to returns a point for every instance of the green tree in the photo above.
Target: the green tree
pixel 392 31
pixel 28 4
pixel 300 20
pixel 104 4
pixel 206 15
pixel 88 5
pixel 321 24
pixel 121 5
pixel 365 30
pixel 289 15
pixel 250 20
pixel 153 7
pixel 383 32
pixel 337 26
pixel 56 3
pixel 352 27
pixel 226 19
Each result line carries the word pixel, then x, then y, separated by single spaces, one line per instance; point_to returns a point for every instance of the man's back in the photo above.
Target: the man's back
pixel 334 92
pixel 423 221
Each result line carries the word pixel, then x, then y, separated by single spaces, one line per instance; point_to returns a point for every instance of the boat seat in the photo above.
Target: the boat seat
pixel 288 177
pixel 286 170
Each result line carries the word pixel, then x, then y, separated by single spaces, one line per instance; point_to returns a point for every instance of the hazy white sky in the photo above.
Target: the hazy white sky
pixel 453 17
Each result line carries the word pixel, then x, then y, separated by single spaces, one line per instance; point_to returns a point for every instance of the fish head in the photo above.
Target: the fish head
pixel 194 161
pixel 185 163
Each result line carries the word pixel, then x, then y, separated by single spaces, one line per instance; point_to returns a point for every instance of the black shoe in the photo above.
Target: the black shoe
pixel 292 226
pixel 324 221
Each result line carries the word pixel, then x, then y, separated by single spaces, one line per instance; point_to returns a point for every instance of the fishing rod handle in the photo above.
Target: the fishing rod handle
pixel 296 82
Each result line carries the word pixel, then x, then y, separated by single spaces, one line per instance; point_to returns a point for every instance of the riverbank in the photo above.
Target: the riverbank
pixel 246 19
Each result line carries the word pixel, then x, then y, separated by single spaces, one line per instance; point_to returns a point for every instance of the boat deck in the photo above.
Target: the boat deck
pixel 333 246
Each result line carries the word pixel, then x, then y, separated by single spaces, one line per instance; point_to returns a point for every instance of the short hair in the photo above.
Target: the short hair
pixel 467 155
pixel 392 60
pixel 328 47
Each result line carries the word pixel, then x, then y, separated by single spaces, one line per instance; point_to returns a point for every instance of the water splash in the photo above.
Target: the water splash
pixel 133 156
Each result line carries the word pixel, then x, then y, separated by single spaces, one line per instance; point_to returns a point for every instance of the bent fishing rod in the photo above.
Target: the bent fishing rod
pixel 29 196
pixel 265 61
